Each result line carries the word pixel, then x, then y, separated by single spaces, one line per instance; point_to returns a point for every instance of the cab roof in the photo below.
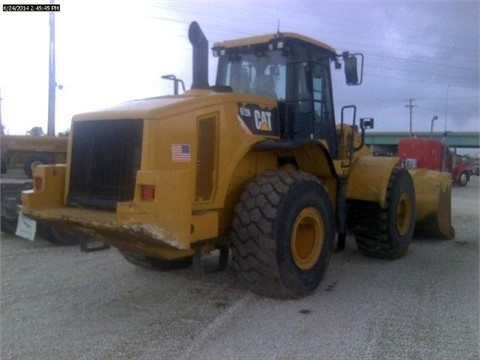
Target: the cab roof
pixel 265 39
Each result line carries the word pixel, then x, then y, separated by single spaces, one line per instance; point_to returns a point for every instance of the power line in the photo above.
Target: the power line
pixel 430 63
pixel 373 27
pixel 440 81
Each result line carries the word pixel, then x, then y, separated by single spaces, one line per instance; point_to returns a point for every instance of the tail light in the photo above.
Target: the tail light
pixel 148 192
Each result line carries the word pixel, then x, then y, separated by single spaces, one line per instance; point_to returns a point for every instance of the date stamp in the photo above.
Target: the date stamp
pixel 30 7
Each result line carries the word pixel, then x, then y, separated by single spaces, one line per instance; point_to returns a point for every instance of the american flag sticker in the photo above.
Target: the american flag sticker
pixel 180 153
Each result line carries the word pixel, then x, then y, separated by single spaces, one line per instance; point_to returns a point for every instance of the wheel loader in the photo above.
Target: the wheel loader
pixel 257 164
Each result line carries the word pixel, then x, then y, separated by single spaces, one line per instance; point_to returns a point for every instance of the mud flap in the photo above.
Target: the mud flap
pixel 197 261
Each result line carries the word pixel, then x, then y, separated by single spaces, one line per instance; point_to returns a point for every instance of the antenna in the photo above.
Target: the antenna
pixel 278 26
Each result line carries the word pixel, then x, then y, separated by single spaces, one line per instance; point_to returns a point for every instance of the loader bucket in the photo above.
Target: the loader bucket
pixel 433 191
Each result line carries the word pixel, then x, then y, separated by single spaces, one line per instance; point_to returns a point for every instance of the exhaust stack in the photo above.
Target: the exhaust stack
pixel 200 56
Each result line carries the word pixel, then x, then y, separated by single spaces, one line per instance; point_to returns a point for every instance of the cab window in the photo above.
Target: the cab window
pixel 260 74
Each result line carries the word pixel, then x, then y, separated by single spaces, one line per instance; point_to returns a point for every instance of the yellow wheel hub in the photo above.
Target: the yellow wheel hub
pixel 404 213
pixel 306 241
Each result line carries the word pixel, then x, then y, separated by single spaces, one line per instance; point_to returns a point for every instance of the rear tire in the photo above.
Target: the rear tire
pixel 283 234
pixel 387 232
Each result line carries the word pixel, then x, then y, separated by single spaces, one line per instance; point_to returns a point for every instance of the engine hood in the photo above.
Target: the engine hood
pixel 167 106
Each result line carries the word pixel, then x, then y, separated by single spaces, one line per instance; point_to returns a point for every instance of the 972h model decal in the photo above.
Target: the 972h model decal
pixel 257 120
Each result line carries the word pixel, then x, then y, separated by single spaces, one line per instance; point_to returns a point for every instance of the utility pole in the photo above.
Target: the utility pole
pixel 51 77
pixel 410 106
pixel 445 151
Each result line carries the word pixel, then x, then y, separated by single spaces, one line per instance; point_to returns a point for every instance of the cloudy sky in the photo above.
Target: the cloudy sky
pixel 111 51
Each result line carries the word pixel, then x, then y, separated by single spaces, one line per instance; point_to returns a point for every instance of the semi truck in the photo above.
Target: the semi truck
pixel 434 154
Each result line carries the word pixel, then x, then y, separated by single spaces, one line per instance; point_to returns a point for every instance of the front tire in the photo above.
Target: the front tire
pixel 387 232
pixel 283 234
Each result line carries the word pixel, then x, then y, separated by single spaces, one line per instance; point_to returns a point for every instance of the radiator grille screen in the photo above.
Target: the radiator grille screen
pixel 105 160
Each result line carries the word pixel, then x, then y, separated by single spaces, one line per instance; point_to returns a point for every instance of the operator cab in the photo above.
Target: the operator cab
pixel 294 70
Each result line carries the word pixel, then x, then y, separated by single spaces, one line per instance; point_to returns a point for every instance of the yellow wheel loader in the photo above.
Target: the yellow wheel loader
pixel 256 163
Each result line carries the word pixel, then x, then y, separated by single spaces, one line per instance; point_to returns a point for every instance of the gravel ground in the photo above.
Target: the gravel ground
pixel 60 303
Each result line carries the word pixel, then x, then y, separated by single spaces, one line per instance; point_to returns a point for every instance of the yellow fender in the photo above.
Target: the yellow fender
pixel 368 178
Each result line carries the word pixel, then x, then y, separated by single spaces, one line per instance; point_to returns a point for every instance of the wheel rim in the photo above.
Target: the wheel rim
pixel 463 178
pixel 404 214
pixel 307 238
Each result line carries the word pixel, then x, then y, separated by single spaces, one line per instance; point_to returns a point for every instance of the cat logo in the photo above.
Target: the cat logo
pixel 263 120
pixel 258 120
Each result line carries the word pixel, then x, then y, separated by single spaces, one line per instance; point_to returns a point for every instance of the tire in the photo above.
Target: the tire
pixel 4 165
pixel 33 162
pixel 282 234
pixel 10 198
pixel 387 232
pixel 147 262
pixel 8 226
pixel 429 227
pixel 463 179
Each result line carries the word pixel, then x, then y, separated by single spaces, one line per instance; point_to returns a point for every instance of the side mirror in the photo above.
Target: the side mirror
pixel 366 123
pixel 351 68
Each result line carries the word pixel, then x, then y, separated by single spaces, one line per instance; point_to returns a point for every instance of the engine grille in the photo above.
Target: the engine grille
pixel 105 159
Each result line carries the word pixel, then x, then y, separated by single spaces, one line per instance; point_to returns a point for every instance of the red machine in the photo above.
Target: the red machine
pixel 433 154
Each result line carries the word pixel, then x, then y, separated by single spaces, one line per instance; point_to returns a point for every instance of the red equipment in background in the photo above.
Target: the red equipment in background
pixel 433 154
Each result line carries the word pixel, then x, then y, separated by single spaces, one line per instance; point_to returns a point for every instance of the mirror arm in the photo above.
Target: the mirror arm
pixel 176 81
pixel 364 122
